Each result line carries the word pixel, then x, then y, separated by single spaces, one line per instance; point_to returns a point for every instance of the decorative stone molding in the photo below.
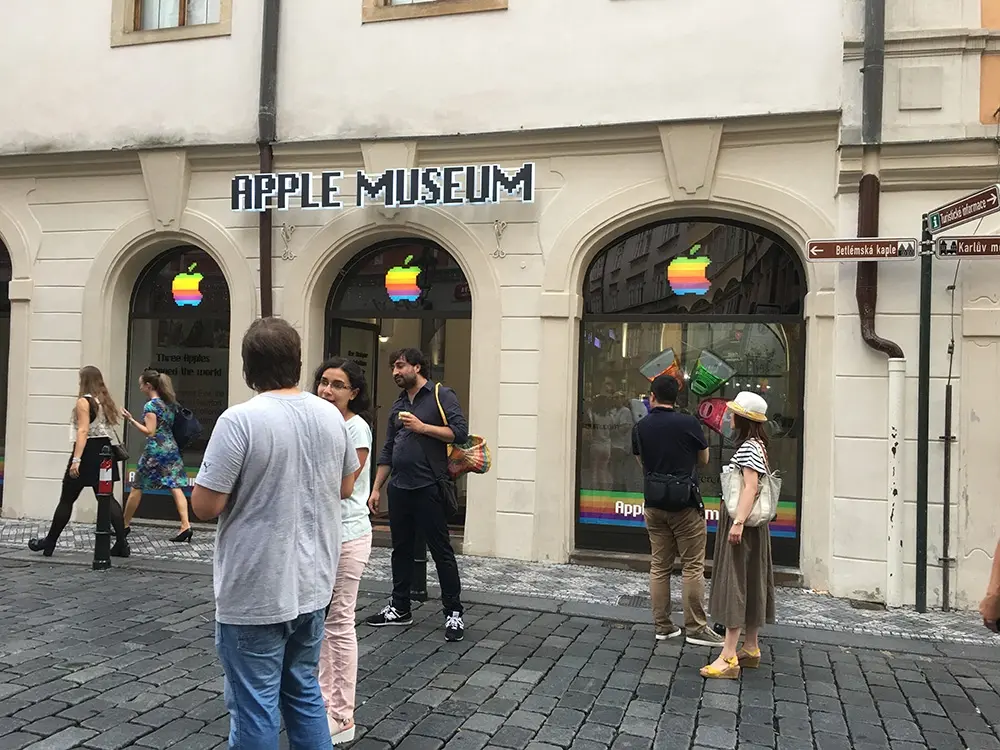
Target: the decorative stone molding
pixel 692 154
pixel 20 290
pixel 561 305
pixel 167 175
pixel 383 10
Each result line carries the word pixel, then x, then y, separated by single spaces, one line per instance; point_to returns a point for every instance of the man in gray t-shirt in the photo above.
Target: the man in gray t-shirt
pixel 274 472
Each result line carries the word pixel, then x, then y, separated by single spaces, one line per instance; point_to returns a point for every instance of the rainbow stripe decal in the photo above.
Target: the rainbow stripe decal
pixel 192 474
pixel 608 508
pixel 686 274
pixel 401 282
pixel 185 288
pixel 1 471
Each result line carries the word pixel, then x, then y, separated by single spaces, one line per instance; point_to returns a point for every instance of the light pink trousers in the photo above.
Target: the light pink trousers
pixel 338 660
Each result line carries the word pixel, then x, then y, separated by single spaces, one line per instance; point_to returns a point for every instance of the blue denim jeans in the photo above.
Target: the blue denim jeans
pixel 271 672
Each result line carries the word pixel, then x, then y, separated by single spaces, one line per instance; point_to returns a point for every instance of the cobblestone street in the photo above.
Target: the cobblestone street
pixel 125 659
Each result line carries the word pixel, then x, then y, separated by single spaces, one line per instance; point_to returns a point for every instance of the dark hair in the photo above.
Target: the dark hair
pixel 747 429
pixel 161 383
pixel 272 355
pixel 360 404
pixel 92 382
pixel 664 389
pixel 413 357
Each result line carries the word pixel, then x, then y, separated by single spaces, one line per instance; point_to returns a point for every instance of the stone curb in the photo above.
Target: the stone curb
pixel 634 617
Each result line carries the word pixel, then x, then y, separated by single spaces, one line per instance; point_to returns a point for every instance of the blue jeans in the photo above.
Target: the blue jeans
pixel 271 672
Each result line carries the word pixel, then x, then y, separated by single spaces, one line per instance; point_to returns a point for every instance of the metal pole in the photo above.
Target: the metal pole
pixel 418 583
pixel 894 593
pixel 102 534
pixel 946 560
pixel 923 408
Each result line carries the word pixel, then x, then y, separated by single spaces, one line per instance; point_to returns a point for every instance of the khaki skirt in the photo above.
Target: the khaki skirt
pixel 742 577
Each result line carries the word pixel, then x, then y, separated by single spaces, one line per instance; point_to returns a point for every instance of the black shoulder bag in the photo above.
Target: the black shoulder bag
pixel 669 492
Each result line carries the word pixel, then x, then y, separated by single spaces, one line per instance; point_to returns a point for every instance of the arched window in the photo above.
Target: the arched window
pixel 179 324
pixel 5 277
pixel 717 305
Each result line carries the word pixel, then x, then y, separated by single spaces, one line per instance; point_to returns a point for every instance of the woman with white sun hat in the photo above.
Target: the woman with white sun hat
pixel 742 596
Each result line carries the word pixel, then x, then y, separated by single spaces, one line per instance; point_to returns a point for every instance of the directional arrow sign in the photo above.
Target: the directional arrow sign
pixel 968 247
pixel 865 248
pixel 983 203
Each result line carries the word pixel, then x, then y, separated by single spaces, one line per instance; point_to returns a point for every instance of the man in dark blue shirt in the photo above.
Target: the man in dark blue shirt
pixel 414 460
pixel 669 445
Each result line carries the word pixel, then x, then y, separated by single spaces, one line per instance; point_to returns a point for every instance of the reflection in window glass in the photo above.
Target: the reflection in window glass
pixel 713 362
pixel 180 325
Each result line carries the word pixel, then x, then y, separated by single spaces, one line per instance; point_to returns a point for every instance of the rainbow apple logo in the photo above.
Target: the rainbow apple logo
pixel 401 282
pixel 185 288
pixel 686 273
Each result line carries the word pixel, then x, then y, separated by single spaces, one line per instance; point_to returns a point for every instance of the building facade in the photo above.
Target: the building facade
pixel 644 209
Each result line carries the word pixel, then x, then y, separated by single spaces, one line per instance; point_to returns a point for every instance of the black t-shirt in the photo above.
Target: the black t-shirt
pixel 670 441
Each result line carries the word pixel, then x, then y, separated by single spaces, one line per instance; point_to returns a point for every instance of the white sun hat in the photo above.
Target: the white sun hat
pixel 749 405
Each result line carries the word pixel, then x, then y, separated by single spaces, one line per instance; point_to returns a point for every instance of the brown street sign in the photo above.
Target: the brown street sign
pixel 974 206
pixel 864 248
pixel 968 247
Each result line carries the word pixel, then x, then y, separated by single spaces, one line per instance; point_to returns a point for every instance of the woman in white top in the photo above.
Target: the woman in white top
pixel 91 430
pixel 342 383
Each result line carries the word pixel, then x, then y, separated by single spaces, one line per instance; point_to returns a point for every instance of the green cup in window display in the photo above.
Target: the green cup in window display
pixel 710 373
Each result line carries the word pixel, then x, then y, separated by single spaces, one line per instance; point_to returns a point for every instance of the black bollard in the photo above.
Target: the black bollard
pixel 105 488
pixel 418 583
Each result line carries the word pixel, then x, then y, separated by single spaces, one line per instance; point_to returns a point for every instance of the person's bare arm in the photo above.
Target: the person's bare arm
pixel 82 430
pixel 381 475
pixel 208 504
pixel 989 608
pixel 703 457
pixel 362 457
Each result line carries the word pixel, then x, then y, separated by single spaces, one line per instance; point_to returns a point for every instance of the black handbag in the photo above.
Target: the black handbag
pixel 447 491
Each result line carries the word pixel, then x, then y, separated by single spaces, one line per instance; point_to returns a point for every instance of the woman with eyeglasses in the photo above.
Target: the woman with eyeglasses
pixel 160 466
pixel 342 382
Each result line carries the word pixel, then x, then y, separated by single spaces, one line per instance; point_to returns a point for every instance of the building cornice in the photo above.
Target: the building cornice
pixel 928 165
pixel 510 146
pixel 930 43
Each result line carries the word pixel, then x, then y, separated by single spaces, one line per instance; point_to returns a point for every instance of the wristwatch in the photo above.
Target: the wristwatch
pixel 75 460
pixel 738 523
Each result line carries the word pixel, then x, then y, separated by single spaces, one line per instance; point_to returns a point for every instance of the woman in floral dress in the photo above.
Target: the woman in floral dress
pixel 160 465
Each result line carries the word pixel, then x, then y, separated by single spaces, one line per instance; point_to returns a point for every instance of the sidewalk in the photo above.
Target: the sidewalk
pixel 574 583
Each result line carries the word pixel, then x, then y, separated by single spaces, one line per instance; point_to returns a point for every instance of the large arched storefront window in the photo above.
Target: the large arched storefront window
pixel 5 277
pixel 720 307
pixel 179 324
pixel 397 294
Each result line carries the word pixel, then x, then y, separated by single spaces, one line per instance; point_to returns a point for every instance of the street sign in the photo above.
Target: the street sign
pixel 968 247
pixel 974 206
pixel 863 248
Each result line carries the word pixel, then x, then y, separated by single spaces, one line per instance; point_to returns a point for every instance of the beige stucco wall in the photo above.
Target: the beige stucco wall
pixel 84 233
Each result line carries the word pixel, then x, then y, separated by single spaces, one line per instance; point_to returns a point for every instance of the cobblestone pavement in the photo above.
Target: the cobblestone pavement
pixel 125 659
pixel 580 583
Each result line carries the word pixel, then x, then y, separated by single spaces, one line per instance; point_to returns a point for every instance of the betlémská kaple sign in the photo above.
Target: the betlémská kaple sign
pixel 394 188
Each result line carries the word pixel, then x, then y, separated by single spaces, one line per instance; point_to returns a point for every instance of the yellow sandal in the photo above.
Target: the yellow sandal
pixel 730 672
pixel 748 659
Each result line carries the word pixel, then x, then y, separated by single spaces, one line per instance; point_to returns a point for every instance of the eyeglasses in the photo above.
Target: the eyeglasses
pixel 337 385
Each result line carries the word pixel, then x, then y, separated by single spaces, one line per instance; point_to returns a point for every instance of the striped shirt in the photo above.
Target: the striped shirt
pixel 750 455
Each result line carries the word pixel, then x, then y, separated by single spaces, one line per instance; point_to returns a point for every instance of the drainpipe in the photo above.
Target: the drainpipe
pixel 866 290
pixel 267 134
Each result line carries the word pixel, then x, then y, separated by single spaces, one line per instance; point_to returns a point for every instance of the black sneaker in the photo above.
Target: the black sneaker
pixel 121 549
pixel 454 628
pixel 389 616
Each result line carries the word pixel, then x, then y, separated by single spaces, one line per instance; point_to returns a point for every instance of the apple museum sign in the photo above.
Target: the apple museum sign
pixel 393 188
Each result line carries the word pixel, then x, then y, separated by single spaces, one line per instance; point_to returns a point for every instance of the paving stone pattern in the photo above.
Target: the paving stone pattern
pixel 125 659
pixel 580 583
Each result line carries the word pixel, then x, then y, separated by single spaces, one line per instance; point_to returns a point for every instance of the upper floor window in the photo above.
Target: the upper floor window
pixel 394 10
pixel 149 21
pixel 170 14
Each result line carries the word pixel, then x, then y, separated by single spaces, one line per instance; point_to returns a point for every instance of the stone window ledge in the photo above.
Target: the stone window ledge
pixel 377 10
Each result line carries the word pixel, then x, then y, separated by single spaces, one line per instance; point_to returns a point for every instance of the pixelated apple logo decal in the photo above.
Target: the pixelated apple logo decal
pixel 185 288
pixel 401 282
pixel 686 273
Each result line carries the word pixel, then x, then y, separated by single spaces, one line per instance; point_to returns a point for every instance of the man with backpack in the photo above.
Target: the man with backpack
pixel 669 445
pixel 424 420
